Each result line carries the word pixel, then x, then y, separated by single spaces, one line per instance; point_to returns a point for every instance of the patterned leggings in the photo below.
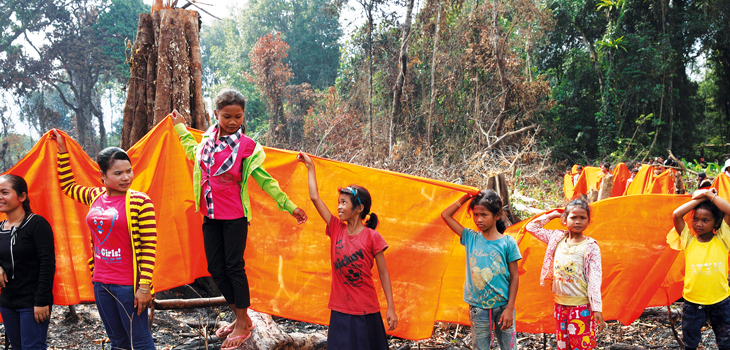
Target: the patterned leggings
pixel 574 327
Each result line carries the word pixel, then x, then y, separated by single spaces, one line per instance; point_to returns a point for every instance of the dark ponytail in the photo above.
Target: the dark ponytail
pixel 360 196
pixel 372 222
pixel 501 226
pixel 19 185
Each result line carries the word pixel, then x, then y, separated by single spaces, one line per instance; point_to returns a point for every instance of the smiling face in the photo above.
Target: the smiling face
pixel 118 177
pixel 577 220
pixel 345 208
pixel 702 221
pixel 9 199
pixel 483 218
pixel 230 118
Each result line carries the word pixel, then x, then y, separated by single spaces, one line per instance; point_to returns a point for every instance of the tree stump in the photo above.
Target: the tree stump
pixel 165 73
pixel 499 184
pixel 606 187
pixel 268 336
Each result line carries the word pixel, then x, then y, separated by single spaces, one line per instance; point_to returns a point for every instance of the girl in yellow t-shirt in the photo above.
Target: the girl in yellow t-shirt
pixel 706 289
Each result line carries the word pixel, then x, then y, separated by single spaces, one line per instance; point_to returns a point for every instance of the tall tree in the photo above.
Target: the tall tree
pixel 73 58
pixel 271 76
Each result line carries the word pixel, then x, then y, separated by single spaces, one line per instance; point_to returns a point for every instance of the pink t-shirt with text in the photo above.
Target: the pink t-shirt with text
pixel 225 187
pixel 113 256
pixel 353 291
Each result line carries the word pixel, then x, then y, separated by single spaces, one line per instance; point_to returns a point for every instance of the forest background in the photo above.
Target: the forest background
pixel 455 90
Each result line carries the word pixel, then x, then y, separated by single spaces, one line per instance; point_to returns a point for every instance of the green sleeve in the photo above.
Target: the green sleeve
pixel 271 187
pixel 187 140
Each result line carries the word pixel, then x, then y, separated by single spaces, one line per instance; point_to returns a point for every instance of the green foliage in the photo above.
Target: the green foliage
pixel 118 26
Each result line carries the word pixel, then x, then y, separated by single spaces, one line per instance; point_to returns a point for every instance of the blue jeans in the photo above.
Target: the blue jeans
pixel 116 309
pixel 695 316
pixel 484 322
pixel 22 330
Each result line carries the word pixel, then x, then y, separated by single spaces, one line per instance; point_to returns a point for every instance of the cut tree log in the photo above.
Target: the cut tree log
pixel 165 73
pixel 499 184
pixel 606 187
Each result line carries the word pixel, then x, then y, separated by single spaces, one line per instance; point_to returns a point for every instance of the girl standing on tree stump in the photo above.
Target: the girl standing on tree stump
pixel 124 244
pixel 224 160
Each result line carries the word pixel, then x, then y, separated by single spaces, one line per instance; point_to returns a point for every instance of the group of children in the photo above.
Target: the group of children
pixel 223 162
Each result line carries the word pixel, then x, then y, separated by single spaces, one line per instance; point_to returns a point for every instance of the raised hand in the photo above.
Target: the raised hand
pixel 176 117
pixel 60 140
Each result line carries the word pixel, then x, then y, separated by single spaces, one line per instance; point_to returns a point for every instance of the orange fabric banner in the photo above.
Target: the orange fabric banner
pixel 568 187
pixel 641 181
pixel 586 181
pixel 662 184
pixel 288 265
pixel 620 175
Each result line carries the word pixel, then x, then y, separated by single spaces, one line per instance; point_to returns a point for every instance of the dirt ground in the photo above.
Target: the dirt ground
pixel 184 330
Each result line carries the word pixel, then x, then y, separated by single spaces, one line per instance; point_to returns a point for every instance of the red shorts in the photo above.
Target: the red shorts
pixel 574 327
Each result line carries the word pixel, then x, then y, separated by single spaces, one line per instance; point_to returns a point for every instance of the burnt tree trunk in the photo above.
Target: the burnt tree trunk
pixel 402 70
pixel 166 73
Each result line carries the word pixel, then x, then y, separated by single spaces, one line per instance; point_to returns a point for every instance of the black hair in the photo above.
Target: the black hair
pixel 577 203
pixel 579 167
pixel 228 97
pixel 19 185
pixel 705 183
pixel 492 202
pixel 716 213
pixel 701 175
pixel 634 170
pixel 607 165
pixel 360 196
pixel 108 155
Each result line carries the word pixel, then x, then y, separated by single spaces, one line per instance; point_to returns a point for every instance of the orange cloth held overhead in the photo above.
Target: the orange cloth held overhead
pixel 586 181
pixel 621 174
pixel 641 181
pixel 568 187
pixel 288 265
pixel 663 183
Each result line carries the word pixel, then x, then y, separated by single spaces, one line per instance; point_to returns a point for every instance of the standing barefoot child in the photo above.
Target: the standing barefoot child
pixel 355 320
pixel 224 161
pixel 491 281
pixel 573 262
pixel 705 249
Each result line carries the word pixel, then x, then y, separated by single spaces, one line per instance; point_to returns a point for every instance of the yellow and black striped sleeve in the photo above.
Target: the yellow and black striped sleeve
pixel 79 193
pixel 144 234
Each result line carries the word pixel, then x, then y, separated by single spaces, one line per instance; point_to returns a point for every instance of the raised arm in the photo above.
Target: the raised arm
pixel 322 209
pixel 186 138
pixel 537 227
pixel 448 214
pixel 85 195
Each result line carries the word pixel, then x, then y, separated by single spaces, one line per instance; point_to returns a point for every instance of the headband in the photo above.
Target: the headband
pixel 354 193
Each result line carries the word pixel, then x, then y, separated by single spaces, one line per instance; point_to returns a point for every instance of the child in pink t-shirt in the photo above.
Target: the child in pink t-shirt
pixel 353 248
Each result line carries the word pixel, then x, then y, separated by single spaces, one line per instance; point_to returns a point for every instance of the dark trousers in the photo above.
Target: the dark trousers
pixel 694 317
pixel 225 242
pixel 22 330
pixel 126 329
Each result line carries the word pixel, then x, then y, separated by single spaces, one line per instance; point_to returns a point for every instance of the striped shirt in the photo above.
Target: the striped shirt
pixel 140 215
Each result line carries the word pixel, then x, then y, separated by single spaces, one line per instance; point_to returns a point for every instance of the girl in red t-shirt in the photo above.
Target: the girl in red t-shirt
pixel 355 320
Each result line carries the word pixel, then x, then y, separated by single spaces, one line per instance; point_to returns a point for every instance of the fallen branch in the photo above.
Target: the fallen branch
pixel 503 137
pixel 177 304
pixel 682 167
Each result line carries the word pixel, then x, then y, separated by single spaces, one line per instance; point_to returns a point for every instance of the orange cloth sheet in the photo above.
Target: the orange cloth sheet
pixel 586 181
pixel 641 181
pixel 663 183
pixel 568 186
pixel 621 174
pixel 289 265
